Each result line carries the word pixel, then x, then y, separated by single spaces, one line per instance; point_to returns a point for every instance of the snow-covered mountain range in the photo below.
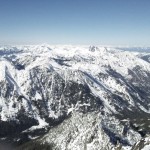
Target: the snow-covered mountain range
pixel 74 97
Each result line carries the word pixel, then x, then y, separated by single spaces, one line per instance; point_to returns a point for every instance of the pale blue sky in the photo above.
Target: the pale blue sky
pixel 103 22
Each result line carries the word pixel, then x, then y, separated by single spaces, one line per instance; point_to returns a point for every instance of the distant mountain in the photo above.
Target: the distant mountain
pixel 135 49
pixel 73 97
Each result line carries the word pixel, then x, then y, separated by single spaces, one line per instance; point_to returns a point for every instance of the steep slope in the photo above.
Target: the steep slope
pixel 81 97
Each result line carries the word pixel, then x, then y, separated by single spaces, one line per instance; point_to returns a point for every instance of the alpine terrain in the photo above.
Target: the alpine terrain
pixel 74 98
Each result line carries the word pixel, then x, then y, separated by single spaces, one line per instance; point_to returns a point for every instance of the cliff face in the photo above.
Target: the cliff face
pixel 77 97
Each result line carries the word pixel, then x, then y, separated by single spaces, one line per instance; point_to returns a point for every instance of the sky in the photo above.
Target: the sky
pixel 100 22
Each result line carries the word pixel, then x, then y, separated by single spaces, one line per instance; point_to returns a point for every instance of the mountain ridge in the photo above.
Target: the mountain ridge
pixel 41 86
